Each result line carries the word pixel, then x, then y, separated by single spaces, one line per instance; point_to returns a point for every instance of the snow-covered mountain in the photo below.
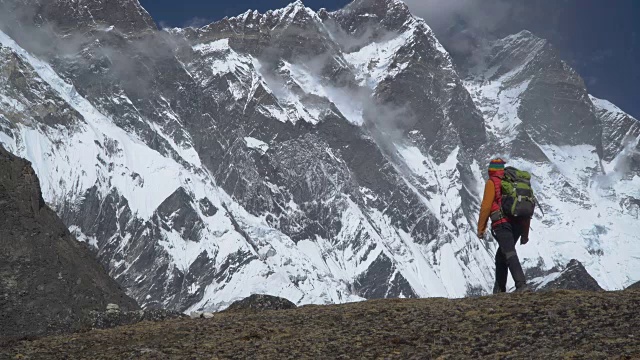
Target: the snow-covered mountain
pixel 318 156
pixel 583 151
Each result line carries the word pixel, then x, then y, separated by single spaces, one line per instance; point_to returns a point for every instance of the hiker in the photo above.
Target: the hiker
pixel 506 229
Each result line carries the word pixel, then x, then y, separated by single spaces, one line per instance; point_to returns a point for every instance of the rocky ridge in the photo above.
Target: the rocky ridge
pixel 258 302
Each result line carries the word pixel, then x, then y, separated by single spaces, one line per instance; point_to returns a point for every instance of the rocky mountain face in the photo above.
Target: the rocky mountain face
pixel 62 15
pixel 48 280
pixel 317 156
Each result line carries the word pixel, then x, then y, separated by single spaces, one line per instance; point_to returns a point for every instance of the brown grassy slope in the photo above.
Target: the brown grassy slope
pixel 542 325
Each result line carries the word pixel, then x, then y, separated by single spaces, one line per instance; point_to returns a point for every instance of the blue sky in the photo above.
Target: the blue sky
pixel 599 38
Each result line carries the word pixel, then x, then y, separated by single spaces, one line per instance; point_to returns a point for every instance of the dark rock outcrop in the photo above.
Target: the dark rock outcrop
pixel 177 213
pixel 370 284
pixel 574 277
pixel 259 302
pixel 114 317
pixel 635 286
pixel 48 280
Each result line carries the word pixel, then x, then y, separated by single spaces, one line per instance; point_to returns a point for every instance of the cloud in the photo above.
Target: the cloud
pixel 484 15
pixel 625 162
pixel 197 22
pixel 164 25
pixel 132 64
pixel 464 25
pixel 591 81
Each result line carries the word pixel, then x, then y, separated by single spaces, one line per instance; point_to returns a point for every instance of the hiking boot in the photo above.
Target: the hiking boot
pixel 524 289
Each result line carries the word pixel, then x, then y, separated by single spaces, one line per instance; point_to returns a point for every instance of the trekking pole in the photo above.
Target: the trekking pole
pixel 539 205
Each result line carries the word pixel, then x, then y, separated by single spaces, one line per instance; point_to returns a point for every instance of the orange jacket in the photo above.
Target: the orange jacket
pixel 485 208
pixel 485 211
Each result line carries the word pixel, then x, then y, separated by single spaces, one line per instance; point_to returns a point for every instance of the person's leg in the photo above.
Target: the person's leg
pixel 504 236
pixel 502 271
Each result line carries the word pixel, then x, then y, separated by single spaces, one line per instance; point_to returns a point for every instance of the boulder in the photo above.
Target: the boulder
pixel 258 302
pixel 113 308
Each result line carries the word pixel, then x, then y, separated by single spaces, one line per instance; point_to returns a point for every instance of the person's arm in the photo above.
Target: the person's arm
pixel 485 208
pixel 526 225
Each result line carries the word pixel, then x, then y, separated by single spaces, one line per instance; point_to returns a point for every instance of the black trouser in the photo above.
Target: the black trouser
pixel 507 235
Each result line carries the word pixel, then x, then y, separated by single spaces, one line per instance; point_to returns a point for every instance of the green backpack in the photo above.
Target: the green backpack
pixel 518 199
